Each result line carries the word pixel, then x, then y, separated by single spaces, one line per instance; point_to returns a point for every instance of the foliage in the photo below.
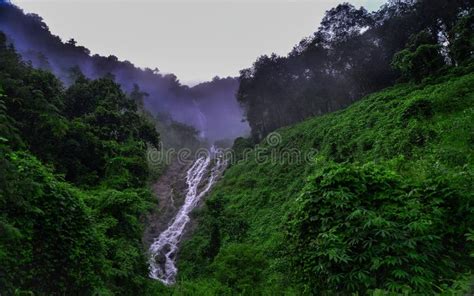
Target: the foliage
pixel 158 92
pixel 177 135
pixel 402 156
pixel 386 206
pixel 463 43
pixel 72 179
pixel 420 59
pixel 38 241
pixel 241 147
pixel 349 57
pixel 357 228
pixel 239 267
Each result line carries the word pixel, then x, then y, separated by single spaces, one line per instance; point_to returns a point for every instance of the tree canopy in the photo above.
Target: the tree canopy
pixel 73 178
pixel 351 56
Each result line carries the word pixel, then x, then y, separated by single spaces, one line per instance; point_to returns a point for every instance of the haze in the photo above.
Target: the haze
pixel 196 40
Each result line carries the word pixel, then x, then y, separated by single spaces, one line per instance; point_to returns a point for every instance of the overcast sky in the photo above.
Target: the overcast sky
pixel 195 39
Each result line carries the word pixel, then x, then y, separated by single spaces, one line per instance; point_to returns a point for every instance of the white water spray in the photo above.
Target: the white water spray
pixel 163 250
pixel 202 121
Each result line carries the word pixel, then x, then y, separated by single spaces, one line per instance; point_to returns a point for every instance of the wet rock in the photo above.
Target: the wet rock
pixel 160 259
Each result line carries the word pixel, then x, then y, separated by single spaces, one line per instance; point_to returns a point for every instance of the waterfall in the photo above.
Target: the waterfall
pixel 202 121
pixel 163 250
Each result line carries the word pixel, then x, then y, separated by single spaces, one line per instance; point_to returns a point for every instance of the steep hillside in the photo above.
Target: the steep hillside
pixel 351 56
pixel 384 202
pixel 73 184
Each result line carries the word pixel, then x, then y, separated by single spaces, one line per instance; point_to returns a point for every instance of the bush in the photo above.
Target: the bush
pixel 239 266
pixel 420 109
pixel 360 228
pixel 47 238
pixel 241 147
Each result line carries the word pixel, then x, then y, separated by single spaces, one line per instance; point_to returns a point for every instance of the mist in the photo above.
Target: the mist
pixel 210 107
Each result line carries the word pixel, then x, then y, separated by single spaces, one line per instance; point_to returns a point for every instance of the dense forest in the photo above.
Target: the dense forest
pixel 350 56
pixel 194 106
pixel 357 178
pixel 73 183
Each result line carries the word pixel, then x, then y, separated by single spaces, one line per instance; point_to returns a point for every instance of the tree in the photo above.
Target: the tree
pixel 138 96
pixel 343 23
pixel 350 56
pixel 462 45
pixel 420 59
pixel 71 201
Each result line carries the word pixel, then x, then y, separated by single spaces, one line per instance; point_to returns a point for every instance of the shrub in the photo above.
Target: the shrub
pixel 359 228
pixel 420 109
pixel 47 238
pixel 239 266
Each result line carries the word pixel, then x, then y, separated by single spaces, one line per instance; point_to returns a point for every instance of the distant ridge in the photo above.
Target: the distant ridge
pixel 35 42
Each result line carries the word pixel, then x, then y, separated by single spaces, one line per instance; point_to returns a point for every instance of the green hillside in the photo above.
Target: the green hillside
pixel 355 178
pixel 73 184
pixel 385 203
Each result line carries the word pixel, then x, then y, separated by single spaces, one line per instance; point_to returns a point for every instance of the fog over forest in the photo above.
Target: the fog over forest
pixel 210 107
pixel 349 171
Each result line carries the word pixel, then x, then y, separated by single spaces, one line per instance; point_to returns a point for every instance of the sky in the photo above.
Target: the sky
pixel 194 39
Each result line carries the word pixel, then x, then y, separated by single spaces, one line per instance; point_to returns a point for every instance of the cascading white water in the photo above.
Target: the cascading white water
pixel 163 250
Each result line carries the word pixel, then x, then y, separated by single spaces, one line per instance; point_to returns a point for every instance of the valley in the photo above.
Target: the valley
pixel 344 166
